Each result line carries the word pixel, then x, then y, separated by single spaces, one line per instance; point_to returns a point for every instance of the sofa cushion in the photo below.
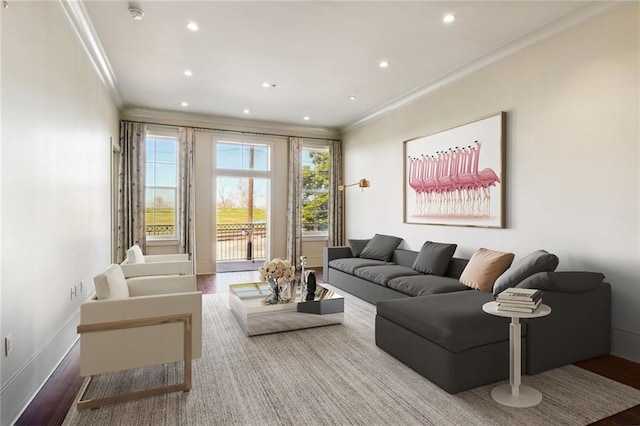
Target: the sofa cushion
pixel 134 254
pixel 538 261
pixel 382 274
pixel 423 285
pixel 434 258
pixel 566 282
pixel 350 264
pixel 454 321
pixel 484 267
pixel 380 247
pixel 356 246
pixel 111 284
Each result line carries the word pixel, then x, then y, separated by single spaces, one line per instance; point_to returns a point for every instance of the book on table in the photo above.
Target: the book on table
pixel 518 307
pixel 520 295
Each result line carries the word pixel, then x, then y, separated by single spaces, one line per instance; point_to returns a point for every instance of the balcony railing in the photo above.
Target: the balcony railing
pixel 234 241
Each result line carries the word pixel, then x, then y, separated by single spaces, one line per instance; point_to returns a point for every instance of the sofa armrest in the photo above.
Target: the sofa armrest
pixel 147 286
pixel 331 253
pixel 182 267
pixel 166 258
pixel 117 350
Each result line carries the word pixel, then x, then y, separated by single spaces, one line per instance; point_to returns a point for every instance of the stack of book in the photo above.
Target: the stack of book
pixel 519 300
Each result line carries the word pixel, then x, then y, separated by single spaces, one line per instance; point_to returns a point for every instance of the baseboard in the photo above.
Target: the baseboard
pixel 625 344
pixel 22 388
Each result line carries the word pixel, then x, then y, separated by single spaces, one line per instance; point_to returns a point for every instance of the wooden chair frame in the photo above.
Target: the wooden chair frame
pixel 185 386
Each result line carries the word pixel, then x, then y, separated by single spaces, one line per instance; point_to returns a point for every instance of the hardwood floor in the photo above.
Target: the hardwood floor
pixel 51 404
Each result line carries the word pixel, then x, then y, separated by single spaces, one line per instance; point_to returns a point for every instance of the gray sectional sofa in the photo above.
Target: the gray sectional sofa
pixel 436 325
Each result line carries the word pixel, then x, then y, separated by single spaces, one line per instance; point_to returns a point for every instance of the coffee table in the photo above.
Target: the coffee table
pixel 255 318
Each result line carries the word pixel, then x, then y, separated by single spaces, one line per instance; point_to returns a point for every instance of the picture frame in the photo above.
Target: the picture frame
pixel 456 177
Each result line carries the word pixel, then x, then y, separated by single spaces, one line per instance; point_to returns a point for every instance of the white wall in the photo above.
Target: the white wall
pixel 57 120
pixel 572 178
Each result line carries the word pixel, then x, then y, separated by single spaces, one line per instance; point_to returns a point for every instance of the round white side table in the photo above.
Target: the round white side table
pixel 516 394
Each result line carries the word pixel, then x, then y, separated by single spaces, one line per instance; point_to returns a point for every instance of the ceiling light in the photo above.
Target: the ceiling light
pixel 188 73
pixel 384 64
pixel 136 13
pixel 306 118
pixel 352 98
pixel 193 26
pixel 448 18
pixel 246 111
pixel 184 104
pixel 268 85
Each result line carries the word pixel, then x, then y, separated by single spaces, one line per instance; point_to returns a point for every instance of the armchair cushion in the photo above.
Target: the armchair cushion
pixel 111 284
pixel 134 254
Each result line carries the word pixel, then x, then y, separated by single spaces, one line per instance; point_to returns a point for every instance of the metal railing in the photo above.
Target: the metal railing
pixel 241 241
pixel 234 241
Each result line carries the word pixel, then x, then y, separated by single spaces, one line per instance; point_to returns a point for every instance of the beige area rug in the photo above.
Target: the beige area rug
pixel 333 375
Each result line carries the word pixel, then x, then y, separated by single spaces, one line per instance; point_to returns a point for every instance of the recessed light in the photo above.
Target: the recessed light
pixel 188 73
pixel 268 85
pixel 193 26
pixel 448 18
pixel 352 98
pixel 384 64
pixel 246 111
pixel 184 104
pixel 306 118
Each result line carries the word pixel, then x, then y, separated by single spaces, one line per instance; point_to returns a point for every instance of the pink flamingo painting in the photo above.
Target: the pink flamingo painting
pixel 448 183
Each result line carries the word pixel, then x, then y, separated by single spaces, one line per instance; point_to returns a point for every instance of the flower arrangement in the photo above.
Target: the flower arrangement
pixel 277 270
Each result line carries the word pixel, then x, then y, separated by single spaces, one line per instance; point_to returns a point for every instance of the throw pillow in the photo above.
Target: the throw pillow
pixel 538 261
pixel 434 258
pixel 356 246
pixel 111 284
pixel 566 282
pixel 484 267
pixel 380 247
pixel 134 255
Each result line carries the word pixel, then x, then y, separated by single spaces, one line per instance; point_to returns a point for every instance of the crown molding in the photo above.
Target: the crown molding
pixel 83 27
pixel 213 122
pixel 586 13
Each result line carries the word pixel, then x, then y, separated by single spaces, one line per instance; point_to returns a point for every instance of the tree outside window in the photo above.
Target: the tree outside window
pixel 315 191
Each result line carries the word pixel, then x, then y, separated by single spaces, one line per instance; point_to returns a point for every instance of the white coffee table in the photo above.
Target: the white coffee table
pixel 516 394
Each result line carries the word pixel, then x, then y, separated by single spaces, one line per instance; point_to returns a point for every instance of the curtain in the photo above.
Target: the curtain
pixel 185 214
pixel 336 228
pixel 294 208
pixel 131 184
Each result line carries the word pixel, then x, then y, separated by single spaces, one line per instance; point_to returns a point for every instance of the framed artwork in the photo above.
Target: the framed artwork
pixel 456 177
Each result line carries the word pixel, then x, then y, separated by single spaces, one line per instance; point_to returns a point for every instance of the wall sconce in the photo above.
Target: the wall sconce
pixel 362 183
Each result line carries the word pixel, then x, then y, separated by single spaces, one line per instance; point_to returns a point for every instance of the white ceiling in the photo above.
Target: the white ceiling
pixel 318 53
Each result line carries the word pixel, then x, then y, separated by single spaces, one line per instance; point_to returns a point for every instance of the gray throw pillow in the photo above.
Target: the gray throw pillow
pixel 538 261
pixel 434 258
pixel 356 246
pixel 566 282
pixel 380 247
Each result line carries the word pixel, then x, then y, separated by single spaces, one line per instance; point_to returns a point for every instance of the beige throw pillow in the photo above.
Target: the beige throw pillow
pixel 484 267
pixel 111 284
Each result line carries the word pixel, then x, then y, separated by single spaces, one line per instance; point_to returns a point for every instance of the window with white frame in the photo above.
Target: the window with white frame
pixel 161 187
pixel 316 178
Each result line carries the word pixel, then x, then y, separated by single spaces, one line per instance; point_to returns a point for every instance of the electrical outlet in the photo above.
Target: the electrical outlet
pixel 7 345
pixel 81 284
pixel 73 292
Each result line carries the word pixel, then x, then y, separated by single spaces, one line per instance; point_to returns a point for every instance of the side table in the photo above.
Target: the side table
pixel 516 394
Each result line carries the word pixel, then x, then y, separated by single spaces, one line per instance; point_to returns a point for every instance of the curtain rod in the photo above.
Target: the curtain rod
pixel 242 132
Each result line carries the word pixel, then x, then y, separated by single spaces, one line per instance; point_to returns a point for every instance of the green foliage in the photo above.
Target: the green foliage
pixel 315 195
pixel 160 216
pixel 239 215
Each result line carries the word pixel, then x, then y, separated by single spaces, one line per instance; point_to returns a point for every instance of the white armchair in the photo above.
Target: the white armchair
pixel 138 265
pixel 136 323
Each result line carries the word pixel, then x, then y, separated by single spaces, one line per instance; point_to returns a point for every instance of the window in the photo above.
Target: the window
pixel 161 187
pixel 315 190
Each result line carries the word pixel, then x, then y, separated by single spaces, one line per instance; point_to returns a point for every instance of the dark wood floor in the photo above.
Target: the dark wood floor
pixel 56 397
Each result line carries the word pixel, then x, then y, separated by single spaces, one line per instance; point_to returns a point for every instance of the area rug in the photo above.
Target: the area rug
pixel 333 375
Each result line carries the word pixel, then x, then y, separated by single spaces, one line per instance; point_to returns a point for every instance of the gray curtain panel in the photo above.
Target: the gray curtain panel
pixel 131 184
pixel 294 211
pixel 336 236
pixel 185 226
